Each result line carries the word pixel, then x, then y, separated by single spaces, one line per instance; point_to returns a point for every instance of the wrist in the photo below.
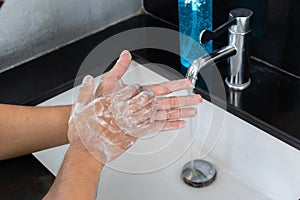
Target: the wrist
pixel 79 175
pixel 81 154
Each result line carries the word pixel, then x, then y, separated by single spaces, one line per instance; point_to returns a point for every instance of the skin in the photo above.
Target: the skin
pixel 25 130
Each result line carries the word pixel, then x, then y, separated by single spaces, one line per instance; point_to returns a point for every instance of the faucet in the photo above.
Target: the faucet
pixel 200 173
pixel 237 51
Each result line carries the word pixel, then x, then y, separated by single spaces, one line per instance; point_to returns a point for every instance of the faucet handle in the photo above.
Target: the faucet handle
pixel 239 22
pixel 207 35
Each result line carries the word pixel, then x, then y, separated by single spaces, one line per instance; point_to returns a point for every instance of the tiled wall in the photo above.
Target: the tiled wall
pixel 276 28
pixel 33 27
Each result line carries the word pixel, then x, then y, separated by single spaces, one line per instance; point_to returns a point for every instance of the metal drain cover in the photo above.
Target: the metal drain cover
pixel 198 173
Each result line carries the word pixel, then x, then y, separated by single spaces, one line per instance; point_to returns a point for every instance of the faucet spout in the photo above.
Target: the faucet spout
pixel 208 60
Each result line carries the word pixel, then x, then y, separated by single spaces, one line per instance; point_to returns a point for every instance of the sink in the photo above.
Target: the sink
pixel 250 163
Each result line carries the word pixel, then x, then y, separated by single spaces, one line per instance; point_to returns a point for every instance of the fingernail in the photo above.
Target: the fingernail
pixel 181 125
pixel 192 112
pixel 87 80
pixel 199 98
pixel 124 52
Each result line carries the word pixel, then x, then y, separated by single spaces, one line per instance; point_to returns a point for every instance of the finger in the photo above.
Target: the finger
pixel 109 86
pixel 112 78
pixel 121 65
pixel 146 128
pixel 178 101
pixel 173 125
pixel 126 93
pixel 86 90
pixel 140 101
pixel 175 114
pixel 151 115
pixel 141 116
pixel 169 87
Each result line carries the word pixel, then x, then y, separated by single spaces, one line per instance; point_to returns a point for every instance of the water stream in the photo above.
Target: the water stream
pixel 197 172
pixel 191 124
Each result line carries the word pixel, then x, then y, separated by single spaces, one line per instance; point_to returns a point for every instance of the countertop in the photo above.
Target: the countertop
pixel 270 103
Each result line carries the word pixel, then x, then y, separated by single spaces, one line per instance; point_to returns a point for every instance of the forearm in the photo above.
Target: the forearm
pixel 26 129
pixel 78 176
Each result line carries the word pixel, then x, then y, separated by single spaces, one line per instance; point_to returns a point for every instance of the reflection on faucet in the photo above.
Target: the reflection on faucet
pixel 207 60
pixel 235 98
pixel 239 27
pixel 1 3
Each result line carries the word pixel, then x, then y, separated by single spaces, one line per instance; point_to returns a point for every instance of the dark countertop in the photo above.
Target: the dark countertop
pixel 270 103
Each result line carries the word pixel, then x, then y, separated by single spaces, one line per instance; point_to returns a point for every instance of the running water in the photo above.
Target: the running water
pixel 197 172
pixel 191 124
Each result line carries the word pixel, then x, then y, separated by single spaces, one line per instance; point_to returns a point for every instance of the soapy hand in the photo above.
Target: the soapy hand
pixel 111 119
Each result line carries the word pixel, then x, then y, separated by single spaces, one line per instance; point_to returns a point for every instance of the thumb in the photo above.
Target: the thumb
pixel 86 91
pixel 121 66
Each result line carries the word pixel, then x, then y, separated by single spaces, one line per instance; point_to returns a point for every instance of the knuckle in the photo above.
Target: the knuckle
pixel 173 102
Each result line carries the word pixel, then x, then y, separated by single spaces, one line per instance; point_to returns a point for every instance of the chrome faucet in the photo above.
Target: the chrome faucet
pixel 239 28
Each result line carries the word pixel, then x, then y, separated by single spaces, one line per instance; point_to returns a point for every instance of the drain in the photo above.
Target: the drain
pixel 198 173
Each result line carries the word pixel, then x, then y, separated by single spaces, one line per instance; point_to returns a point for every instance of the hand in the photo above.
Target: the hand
pixel 109 121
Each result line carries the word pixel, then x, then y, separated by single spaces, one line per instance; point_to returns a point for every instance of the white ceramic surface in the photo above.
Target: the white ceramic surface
pixel 250 163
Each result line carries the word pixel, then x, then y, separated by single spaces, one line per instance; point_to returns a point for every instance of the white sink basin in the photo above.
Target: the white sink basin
pixel 250 163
